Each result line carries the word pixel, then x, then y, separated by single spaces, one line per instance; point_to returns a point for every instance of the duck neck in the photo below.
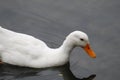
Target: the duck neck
pixel 67 46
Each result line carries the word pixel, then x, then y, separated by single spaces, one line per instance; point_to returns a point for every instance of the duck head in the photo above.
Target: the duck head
pixel 80 39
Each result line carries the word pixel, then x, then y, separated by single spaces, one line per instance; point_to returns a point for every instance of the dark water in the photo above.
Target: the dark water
pixel 9 72
pixel 51 21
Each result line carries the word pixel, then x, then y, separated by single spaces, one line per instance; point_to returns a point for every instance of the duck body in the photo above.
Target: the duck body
pixel 25 50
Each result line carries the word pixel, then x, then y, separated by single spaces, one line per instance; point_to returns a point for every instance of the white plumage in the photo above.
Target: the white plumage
pixel 25 50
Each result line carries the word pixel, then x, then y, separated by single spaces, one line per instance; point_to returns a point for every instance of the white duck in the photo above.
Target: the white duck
pixel 25 50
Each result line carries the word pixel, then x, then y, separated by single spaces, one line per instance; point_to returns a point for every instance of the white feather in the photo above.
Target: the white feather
pixel 25 50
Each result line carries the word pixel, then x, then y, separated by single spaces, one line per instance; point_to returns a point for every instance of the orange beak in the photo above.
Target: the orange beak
pixel 90 52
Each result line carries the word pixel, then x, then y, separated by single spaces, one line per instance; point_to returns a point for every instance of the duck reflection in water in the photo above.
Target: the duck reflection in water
pixel 9 72
pixel 68 75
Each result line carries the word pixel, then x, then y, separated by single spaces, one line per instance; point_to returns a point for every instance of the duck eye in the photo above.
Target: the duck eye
pixel 82 39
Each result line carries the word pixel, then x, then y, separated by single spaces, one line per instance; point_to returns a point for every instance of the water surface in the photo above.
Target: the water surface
pixel 51 21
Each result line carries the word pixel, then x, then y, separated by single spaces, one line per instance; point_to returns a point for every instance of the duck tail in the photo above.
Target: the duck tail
pixel 1 28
